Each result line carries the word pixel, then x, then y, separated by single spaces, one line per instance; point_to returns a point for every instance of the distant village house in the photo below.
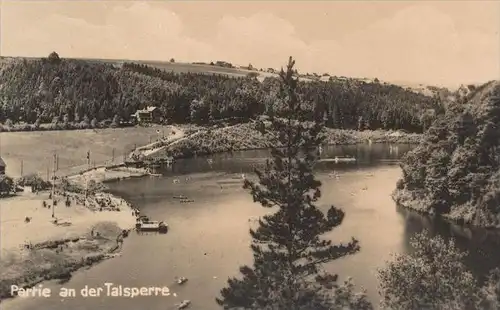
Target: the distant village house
pixel 2 166
pixel 148 115
pixel 224 64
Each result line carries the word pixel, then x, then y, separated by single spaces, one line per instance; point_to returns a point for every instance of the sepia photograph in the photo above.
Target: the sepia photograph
pixel 249 155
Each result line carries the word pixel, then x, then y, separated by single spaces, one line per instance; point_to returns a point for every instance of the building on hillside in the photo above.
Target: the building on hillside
pixel 224 64
pixel 148 115
pixel 2 166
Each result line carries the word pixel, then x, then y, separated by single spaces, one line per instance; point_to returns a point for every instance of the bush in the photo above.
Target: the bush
pixel 35 181
pixel 6 185
pixel 433 277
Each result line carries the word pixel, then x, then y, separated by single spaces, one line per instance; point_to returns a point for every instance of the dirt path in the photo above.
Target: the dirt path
pixel 153 148
pixel 179 136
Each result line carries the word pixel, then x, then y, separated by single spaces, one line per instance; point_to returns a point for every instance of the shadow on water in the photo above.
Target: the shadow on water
pixel 247 161
pixel 482 245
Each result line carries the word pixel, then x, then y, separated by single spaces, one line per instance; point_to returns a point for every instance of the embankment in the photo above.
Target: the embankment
pixel 103 174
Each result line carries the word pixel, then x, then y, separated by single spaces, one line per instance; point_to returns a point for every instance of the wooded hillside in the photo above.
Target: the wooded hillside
pixel 65 90
pixel 455 171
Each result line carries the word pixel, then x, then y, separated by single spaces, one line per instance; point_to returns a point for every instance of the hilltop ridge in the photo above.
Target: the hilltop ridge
pixel 233 70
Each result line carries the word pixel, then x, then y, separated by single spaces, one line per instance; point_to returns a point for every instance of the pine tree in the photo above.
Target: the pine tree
pixel 287 246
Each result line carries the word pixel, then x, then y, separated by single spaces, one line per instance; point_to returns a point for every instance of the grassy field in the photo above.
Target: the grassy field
pixel 195 68
pixel 33 152
pixel 181 67
pixel 168 66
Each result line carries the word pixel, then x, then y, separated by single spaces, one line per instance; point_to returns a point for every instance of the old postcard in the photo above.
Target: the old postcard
pixel 261 155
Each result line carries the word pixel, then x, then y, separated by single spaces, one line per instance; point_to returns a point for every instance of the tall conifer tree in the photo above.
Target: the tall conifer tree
pixel 287 247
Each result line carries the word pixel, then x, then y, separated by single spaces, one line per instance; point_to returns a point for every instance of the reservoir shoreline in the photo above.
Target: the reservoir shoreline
pixel 84 257
pixel 362 189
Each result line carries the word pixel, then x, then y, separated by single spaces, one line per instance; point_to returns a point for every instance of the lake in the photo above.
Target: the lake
pixel 208 239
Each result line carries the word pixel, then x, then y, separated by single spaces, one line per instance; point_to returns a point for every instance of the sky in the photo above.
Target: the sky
pixel 433 42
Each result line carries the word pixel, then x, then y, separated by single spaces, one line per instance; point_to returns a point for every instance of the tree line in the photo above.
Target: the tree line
pixel 54 90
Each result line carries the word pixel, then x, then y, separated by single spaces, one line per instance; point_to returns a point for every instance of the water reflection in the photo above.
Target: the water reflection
pixel 482 245
pixel 247 161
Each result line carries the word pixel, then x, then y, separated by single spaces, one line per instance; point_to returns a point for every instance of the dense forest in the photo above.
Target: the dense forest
pixel 455 170
pixel 57 90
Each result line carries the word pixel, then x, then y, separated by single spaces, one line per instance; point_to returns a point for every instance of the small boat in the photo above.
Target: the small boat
pixel 339 159
pixel 344 159
pixel 161 227
pixel 181 280
pixel 155 174
pixel 186 200
pixel 179 197
pixel 184 304
pixel 240 177
pixel 143 218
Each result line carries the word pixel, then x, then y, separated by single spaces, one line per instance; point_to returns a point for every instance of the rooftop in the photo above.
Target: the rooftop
pixel 148 109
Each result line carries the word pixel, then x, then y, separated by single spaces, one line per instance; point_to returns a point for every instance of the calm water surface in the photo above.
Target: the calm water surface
pixel 209 238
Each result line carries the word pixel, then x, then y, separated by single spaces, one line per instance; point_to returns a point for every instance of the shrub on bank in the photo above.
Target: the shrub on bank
pixel 35 181
pixel 345 137
pixel 228 139
pixel 434 276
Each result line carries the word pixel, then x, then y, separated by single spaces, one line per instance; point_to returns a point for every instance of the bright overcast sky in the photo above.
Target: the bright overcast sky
pixel 445 43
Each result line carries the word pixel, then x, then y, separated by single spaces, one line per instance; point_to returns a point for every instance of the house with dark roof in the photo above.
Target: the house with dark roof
pixel 2 166
pixel 148 115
